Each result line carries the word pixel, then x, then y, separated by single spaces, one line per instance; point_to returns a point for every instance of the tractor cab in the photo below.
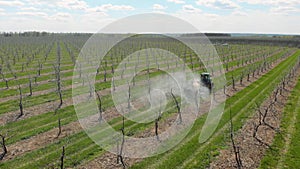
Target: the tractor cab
pixel 206 80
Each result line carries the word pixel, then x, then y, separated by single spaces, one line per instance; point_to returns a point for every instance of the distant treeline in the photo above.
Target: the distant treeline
pixel 33 33
pixel 206 34
pixel 37 34
pixel 212 35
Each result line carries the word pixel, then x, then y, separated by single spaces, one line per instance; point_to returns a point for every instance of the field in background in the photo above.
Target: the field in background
pixel 40 128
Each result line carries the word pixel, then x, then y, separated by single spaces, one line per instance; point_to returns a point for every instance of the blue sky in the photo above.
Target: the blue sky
pixel 242 16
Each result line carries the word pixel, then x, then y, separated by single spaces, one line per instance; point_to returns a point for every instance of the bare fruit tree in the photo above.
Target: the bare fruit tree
pixel 177 106
pixel 30 86
pixel 3 147
pixel 233 82
pixel 20 103
pixel 3 77
pixel 129 97
pixel 62 158
pixel 261 122
pixel 99 107
pixel 58 78
pixel 236 149
pixel 59 128
pixel 59 86
pixel 157 121
pixel 120 157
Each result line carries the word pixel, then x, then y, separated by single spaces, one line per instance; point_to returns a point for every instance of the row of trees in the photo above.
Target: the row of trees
pixel 267 115
pixel 255 69
pixel 30 85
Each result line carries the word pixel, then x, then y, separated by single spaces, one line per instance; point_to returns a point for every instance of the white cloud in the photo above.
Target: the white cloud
pixel 66 4
pixel 159 12
pixel 272 2
pixel 30 9
pixel 190 9
pixel 94 15
pixel 72 4
pixel 210 15
pixel 158 7
pixel 281 7
pixel 239 13
pixel 177 1
pixel 49 3
pixel 11 3
pixel 219 4
pixel 38 14
pixel 254 22
pixel 61 16
pixel 54 23
pixel 285 10
pixel 107 7
pixel 47 16
pixel 80 5
pixel 2 12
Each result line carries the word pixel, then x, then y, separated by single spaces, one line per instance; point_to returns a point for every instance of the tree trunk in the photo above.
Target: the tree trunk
pixel 20 103
pixel 3 147
pixel 62 158
pixel 59 128
pixel 177 106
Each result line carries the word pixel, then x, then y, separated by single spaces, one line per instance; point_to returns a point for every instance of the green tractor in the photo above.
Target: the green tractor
pixel 206 80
